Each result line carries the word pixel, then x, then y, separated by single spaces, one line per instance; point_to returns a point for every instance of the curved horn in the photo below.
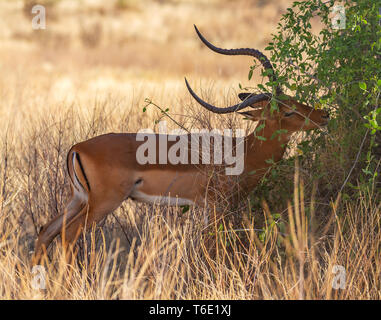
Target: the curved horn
pixel 249 101
pixel 244 52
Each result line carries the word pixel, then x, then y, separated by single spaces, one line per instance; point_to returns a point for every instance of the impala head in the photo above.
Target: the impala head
pixel 291 115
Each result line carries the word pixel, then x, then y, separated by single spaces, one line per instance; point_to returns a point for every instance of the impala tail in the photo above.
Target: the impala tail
pixel 77 172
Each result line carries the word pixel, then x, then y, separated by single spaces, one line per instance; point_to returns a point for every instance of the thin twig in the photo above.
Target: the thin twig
pixel 354 164
pixel 149 102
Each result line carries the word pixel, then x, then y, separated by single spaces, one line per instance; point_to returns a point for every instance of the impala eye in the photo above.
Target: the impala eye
pixel 288 114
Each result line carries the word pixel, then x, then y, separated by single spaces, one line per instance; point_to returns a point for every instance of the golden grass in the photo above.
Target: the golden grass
pixel 58 88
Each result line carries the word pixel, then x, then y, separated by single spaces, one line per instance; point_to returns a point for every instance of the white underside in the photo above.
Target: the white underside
pixel 80 193
pixel 171 201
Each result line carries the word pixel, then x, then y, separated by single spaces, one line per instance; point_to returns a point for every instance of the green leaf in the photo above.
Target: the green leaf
pixel 250 74
pixel 261 138
pixel 276 216
pixel 270 161
pixel 260 127
pixel 362 86
pixel 185 208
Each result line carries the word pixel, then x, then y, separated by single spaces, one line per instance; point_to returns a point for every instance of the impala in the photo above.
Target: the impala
pixel 104 170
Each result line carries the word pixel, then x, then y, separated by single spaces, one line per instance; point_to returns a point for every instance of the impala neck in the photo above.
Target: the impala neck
pixel 261 154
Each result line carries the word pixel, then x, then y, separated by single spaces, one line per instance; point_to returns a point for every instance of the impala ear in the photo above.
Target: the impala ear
pixel 254 115
pixel 260 104
pixel 243 95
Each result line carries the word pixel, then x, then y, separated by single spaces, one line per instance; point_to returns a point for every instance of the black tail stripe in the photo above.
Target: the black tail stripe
pixel 67 166
pixel 75 174
pixel 83 171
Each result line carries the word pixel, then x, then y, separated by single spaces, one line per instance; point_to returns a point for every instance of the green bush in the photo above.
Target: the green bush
pixel 339 70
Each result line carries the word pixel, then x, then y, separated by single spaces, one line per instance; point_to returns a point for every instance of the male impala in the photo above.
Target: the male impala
pixel 104 170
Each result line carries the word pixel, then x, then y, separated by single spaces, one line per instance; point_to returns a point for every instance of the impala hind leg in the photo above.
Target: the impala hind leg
pixel 89 216
pixel 50 230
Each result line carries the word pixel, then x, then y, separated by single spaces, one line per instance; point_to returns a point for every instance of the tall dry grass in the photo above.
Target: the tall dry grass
pixel 144 252
pixel 66 85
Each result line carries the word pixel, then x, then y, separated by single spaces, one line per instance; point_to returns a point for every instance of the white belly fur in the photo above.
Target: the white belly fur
pixel 171 201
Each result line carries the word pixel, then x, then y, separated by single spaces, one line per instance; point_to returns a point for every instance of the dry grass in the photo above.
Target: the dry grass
pixel 88 74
